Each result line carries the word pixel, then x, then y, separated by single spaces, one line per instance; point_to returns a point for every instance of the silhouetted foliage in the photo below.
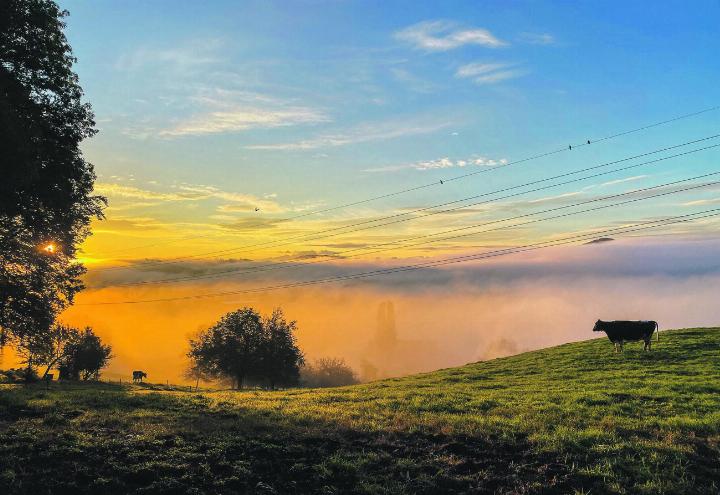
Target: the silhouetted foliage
pixel 328 372
pixel 46 187
pixel 84 356
pixel 18 375
pixel 243 346
pixel 46 348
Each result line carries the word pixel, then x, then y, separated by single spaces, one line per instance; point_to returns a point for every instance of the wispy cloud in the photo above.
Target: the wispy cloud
pixel 489 73
pixel 236 202
pixel 556 197
pixel 441 163
pixel 130 192
pixel 185 56
pixel 701 202
pixel 360 134
pixel 621 181
pixel 446 35
pixel 242 119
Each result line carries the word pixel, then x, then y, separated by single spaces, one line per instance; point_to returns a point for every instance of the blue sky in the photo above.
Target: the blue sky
pixel 291 106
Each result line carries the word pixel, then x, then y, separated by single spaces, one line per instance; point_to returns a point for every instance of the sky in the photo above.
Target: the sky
pixel 230 132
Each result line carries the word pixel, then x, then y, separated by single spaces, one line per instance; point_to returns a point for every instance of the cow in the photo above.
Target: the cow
pixel 620 332
pixel 138 376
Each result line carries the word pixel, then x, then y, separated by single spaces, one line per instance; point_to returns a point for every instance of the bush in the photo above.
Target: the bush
pixel 18 375
pixel 327 372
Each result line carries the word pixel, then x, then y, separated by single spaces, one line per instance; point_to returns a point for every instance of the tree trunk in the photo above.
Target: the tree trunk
pixel 240 379
pixel 50 365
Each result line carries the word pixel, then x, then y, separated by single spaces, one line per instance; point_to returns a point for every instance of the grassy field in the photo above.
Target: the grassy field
pixel 570 419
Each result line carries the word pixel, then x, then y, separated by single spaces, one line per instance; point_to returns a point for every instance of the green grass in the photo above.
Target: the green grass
pixel 571 419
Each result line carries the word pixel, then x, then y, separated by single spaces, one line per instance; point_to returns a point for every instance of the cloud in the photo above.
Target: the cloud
pixel 445 35
pixel 190 192
pixel 360 134
pixel 555 198
pixel 186 56
pixel 700 202
pixel 254 224
pixel 620 181
pixel 244 119
pixel 625 257
pixel 478 68
pixel 441 163
pixel 538 38
pixel 489 73
pixel 130 192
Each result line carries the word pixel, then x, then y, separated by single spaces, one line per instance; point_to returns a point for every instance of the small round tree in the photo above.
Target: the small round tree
pixel 244 346
pixel 84 356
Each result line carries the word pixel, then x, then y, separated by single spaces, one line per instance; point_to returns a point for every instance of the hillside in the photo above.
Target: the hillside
pixel 570 419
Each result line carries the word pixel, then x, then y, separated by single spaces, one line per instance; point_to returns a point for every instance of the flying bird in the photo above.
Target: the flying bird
pixel 257 209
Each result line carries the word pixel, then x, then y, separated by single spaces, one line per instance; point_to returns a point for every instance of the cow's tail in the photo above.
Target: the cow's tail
pixel 657 332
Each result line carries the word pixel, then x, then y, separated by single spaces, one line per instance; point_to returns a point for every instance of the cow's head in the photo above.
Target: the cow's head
pixel 598 326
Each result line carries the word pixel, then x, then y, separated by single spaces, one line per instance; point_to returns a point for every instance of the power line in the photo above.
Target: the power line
pixel 396 218
pixel 296 264
pixel 470 174
pixel 460 259
pixel 534 157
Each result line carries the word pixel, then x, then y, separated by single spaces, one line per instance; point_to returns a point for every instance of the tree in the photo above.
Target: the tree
pixel 46 201
pixel 328 372
pixel 244 346
pixel 230 349
pixel 281 357
pixel 48 348
pixel 84 356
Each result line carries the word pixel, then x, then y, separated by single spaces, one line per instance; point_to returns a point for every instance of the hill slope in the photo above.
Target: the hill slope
pixel 574 418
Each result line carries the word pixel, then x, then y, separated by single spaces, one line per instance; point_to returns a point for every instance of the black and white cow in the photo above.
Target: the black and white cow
pixel 620 332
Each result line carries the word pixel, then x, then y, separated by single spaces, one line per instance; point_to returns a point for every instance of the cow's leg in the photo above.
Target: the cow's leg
pixel 621 346
pixel 615 345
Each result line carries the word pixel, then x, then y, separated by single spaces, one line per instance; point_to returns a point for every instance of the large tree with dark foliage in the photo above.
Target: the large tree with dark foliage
pixel 45 184
pixel 230 349
pixel 244 346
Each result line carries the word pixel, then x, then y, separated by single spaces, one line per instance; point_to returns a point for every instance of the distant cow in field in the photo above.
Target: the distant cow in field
pixel 138 376
pixel 620 332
